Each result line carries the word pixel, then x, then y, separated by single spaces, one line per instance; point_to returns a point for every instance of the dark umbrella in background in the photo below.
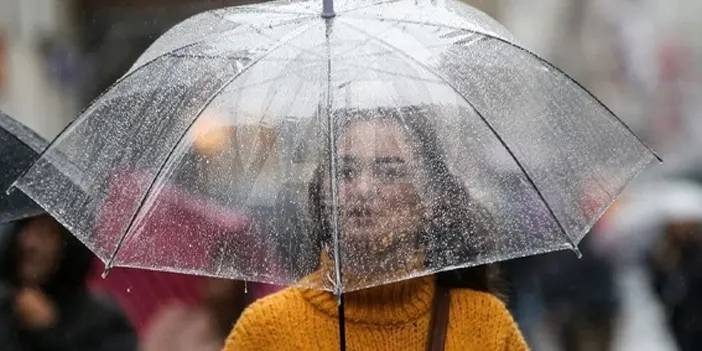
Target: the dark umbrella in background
pixel 19 148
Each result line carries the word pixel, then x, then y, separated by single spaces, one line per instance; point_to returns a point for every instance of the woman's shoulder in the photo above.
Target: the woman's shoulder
pixel 480 305
pixel 484 313
pixel 283 300
pixel 481 300
pixel 265 319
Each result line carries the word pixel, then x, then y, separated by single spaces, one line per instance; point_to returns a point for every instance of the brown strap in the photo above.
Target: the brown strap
pixel 439 319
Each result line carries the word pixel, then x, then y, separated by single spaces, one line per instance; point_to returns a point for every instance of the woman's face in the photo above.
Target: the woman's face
pixel 380 188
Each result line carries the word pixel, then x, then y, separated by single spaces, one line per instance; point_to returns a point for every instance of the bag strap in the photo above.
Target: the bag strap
pixel 439 319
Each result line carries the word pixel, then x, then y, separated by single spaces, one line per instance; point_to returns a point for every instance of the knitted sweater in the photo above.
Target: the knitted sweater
pixel 390 317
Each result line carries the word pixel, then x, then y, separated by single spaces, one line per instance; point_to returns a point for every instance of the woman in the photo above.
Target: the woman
pixel 675 265
pixel 401 213
pixel 44 304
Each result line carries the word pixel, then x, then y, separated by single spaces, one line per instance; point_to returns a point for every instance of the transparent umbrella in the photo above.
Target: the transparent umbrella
pixel 19 148
pixel 385 141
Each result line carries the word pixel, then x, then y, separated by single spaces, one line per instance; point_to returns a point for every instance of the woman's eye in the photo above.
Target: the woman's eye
pixel 391 173
pixel 347 173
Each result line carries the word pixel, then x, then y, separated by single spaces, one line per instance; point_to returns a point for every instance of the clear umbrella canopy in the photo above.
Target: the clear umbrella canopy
pixel 394 140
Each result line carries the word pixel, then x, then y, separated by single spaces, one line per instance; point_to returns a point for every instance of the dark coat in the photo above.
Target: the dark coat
pixel 85 321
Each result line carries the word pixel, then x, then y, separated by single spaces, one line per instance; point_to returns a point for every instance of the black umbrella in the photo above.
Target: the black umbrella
pixel 20 147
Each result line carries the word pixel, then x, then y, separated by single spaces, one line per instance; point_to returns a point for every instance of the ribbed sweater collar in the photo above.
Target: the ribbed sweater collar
pixel 394 303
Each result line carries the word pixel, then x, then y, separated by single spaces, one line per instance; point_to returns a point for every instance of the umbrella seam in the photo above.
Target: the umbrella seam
pixel 331 142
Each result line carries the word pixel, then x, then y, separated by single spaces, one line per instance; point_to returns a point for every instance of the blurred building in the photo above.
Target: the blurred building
pixel 39 92
pixel 58 55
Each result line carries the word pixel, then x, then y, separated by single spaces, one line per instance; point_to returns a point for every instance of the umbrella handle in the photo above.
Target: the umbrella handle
pixel 342 323
pixel 328 9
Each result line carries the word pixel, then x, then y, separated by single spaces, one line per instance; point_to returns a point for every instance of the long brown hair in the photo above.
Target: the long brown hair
pixel 455 214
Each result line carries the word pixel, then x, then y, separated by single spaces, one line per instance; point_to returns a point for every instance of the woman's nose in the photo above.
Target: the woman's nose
pixel 362 185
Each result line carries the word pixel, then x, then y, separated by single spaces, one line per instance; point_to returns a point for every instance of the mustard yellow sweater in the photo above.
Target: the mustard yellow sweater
pixel 390 317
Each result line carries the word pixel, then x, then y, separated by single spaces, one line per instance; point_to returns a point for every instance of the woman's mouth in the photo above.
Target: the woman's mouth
pixel 360 216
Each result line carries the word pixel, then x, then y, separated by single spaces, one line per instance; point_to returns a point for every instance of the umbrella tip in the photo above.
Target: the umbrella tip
pixel 11 189
pixel 105 272
pixel 576 251
pixel 328 9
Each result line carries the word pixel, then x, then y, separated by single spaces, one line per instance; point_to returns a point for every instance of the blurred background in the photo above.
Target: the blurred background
pixel 639 286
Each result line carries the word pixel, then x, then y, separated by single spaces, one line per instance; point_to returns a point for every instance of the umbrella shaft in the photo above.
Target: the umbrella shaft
pixel 342 324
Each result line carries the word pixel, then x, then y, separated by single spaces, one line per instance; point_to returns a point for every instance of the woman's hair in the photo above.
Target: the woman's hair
pixel 73 266
pixel 454 214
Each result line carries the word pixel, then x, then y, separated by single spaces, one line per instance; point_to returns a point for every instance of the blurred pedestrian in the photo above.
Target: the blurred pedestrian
pixel 675 263
pixel 581 299
pixel 202 327
pixel 44 303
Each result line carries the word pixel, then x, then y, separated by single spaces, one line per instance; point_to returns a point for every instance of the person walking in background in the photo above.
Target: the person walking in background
pixel 675 264
pixel 44 303
pixel 580 297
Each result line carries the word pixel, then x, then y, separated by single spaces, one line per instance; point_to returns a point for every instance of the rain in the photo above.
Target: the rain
pixel 213 170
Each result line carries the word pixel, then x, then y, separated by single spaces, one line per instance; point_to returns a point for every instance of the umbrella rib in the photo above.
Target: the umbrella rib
pixel 254 8
pixel 540 59
pixel 352 49
pixel 332 175
pixel 509 150
pixel 168 157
